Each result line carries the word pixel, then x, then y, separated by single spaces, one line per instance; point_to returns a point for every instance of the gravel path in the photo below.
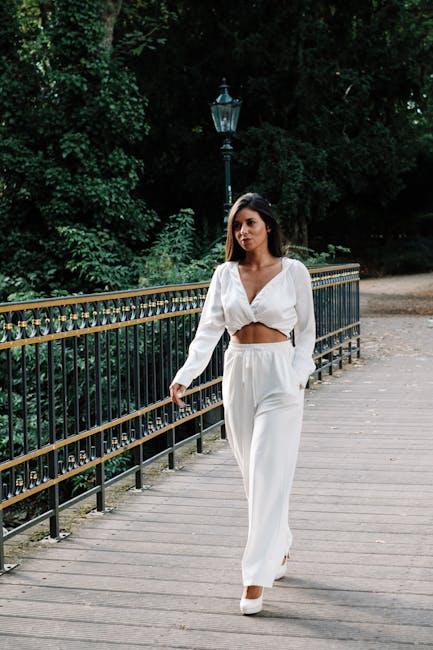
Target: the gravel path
pixel 398 294
pixel 397 316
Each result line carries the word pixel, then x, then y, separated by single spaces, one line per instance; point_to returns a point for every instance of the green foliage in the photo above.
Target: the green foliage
pixel 103 113
pixel 300 178
pixel 171 258
pixel 71 115
pixel 336 106
pixel 311 257
pixel 346 134
pixel 403 256
pixel 16 288
pixel 97 258
pixel 142 27
pixel 83 482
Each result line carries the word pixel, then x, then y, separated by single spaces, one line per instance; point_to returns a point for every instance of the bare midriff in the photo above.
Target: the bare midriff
pixel 258 333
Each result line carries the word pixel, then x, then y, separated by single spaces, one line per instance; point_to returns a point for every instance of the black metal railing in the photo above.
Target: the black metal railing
pixel 84 388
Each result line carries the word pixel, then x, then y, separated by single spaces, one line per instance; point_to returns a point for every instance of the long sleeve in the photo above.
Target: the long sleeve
pixel 209 330
pixel 305 329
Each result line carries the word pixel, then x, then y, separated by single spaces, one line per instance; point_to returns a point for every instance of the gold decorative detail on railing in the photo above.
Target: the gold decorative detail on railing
pixel 109 312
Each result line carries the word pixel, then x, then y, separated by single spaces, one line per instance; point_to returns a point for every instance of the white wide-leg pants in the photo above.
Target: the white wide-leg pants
pixel 263 408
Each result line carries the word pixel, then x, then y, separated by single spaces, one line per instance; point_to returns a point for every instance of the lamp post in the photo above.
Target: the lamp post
pixel 225 114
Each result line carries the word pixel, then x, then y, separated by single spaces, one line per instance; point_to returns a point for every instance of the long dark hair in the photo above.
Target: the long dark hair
pixel 257 203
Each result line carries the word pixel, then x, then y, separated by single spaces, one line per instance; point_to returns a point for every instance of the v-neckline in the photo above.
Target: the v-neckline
pixel 264 286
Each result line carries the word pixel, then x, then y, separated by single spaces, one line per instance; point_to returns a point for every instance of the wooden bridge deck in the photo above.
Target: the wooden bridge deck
pixel 163 570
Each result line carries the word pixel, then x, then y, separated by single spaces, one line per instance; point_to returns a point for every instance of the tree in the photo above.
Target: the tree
pixel 104 122
pixel 69 173
pixel 327 128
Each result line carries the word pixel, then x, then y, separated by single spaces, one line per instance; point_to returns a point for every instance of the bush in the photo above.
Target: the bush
pixel 402 256
pixel 310 257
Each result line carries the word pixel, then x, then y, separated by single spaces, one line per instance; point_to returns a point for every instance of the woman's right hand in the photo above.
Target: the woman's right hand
pixel 176 392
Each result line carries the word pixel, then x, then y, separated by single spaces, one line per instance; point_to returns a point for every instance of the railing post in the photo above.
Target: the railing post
pixel 54 500
pixel 2 549
pixel 53 459
pixel 99 442
pixel 171 437
pixel 3 566
pixel 358 316
pixel 138 460
pixel 138 450
pixel 198 425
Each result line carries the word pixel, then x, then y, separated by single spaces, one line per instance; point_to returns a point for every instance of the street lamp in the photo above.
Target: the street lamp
pixel 225 114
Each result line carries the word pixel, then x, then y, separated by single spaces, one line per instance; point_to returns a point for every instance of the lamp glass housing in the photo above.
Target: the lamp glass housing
pixel 226 115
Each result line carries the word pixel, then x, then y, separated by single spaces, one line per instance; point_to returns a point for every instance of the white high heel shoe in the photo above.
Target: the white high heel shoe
pixel 283 568
pixel 251 605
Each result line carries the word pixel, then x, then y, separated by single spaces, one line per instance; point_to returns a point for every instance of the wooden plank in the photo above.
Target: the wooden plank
pixel 301 555
pixel 202 582
pixel 210 571
pixel 375 603
pixel 203 640
pixel 134 619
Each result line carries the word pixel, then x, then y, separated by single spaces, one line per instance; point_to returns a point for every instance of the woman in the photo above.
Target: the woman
pixel 260 296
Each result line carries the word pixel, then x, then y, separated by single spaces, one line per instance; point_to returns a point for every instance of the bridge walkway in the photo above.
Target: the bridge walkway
pixel 163 569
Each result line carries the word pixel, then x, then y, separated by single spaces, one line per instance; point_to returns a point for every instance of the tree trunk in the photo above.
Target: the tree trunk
pixel 109 17
pixel 299 231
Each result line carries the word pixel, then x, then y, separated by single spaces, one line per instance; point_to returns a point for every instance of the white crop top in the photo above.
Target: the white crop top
pixel 284 303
